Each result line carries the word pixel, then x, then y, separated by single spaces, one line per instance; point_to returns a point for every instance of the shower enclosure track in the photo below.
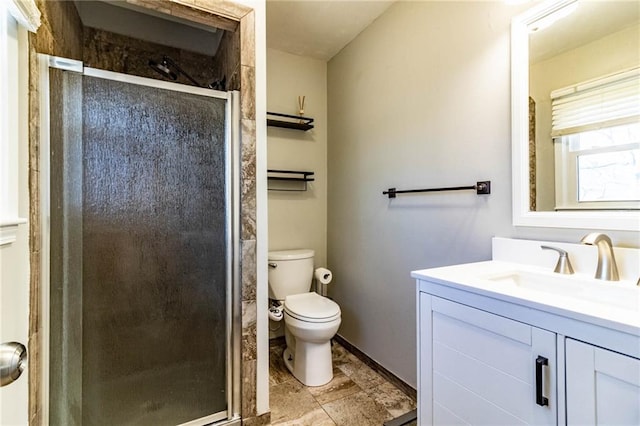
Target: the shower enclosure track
pixel 231 415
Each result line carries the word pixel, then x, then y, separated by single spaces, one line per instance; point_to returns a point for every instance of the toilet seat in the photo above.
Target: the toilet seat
pixel 311 307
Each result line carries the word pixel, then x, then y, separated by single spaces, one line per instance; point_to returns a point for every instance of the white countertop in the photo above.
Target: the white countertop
pixel 472 277
pixel 614 305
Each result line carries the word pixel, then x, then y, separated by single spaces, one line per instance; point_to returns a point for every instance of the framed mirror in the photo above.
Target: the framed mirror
pixel 575 80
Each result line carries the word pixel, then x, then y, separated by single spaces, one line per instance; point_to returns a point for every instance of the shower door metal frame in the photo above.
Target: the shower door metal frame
pixel 232 217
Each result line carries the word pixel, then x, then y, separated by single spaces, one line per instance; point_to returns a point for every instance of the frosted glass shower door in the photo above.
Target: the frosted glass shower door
pixel 143 280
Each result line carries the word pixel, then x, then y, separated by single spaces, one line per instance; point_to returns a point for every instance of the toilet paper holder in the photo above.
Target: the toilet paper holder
pixel 323 277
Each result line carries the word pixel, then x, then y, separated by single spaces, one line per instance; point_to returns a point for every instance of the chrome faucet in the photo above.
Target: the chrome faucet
pixel 607 269
pixel 564 265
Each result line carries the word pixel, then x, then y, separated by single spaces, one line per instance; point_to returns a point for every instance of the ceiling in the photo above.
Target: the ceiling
pixel 590 21
pixel 312 28
pixel 321 28
pixel 318 28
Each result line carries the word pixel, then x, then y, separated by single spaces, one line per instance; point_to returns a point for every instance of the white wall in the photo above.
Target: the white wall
pixel 14 200
pixel 298 219
pixel 421 98
pixel 610 54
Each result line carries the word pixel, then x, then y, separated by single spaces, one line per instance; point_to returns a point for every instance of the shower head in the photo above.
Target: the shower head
pixel 163 68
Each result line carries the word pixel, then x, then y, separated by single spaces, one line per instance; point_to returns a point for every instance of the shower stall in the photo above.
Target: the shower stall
pixel 140 206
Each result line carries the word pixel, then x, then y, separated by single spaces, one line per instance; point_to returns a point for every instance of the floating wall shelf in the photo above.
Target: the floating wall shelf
pixel 289 180
pixel 297 122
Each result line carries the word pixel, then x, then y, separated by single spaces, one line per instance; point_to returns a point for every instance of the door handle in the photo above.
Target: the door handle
pixel 13 361
pixel 540 399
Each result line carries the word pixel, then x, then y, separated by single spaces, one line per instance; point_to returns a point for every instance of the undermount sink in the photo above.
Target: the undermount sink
pixel 521 273
pixel 624 295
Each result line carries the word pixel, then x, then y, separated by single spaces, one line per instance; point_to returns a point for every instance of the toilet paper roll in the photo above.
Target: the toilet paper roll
pixel 323 275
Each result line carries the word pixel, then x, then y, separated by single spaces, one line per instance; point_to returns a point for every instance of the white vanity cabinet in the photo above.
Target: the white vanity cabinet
pixel 493 358
pixel 482 368
pixel 603 387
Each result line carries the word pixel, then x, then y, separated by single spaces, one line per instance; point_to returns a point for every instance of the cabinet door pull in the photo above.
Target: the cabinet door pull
pixel 540 399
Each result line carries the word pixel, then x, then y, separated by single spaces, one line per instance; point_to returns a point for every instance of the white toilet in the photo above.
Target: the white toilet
pixel 310 319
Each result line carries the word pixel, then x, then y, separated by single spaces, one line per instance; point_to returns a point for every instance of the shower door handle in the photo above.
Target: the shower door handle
pixel 13 361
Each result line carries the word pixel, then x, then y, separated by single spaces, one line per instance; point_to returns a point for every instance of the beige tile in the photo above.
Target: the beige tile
pixel 249 268
pixel 339 387
pixel 151 4
pixel 247 92
pixel 264 419
pixel 248 133
pixel 202 14
pixel 313 418
pixel 290 401
pixel 339 353
pixel 344 360
pixel 249 313
pixel 248 389
pixel 247 40
pixel 278 372
pixel 358 409
pixel 392 398
pixel 275 348
pixel 249 343
pixel 366 378
pixel 248 179
pixel 222 8
pixel 356 395
pixel 249 330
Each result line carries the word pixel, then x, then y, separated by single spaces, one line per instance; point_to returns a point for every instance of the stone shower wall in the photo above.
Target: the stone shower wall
pixel 62 34
pixel 227 59
pixel 114 52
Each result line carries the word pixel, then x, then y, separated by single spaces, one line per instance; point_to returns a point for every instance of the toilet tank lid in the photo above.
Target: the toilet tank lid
pixel 291 254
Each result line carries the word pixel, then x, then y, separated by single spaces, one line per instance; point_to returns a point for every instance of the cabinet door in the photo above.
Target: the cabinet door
pixel 603 387
pixel 484 369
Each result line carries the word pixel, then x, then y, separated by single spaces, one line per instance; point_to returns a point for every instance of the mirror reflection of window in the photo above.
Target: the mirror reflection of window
pixel 596 132
pixel 601 171
pixel 601 168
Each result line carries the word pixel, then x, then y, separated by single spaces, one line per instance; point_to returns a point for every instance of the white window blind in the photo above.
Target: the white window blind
pixel 602 102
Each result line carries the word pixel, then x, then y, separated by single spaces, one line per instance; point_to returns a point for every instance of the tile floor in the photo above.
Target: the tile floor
pixel 357 395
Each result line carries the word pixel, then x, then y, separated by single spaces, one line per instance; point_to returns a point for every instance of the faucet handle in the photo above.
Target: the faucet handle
pixel 564 265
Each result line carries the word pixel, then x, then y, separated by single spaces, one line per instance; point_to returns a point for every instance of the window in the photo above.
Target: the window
pixel 596 131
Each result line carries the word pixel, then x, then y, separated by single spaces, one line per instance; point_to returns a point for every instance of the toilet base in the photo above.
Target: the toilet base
pixel 311 363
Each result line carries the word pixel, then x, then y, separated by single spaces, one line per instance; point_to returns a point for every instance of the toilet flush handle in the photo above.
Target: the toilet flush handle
pixel 273 265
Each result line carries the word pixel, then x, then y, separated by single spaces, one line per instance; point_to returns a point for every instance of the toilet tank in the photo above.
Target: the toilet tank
pixel 290 272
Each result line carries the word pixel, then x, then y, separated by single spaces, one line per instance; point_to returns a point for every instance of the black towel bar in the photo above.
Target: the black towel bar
pixel 483 187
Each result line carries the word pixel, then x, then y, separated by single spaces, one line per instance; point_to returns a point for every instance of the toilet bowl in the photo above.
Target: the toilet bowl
pixel 310 320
